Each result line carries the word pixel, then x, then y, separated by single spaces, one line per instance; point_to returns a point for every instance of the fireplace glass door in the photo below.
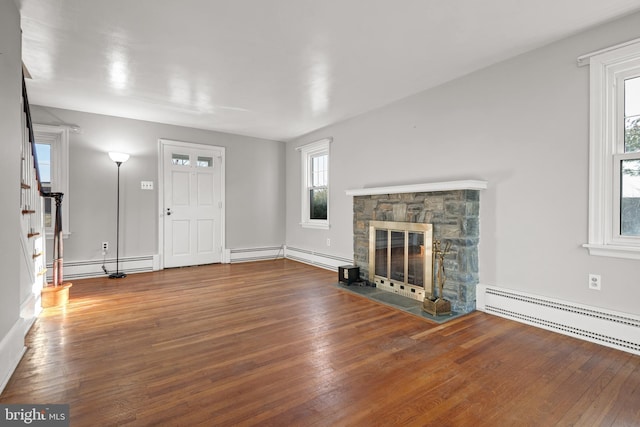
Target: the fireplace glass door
pixel 400 255
pixel 415 258
pixel 397 256
pixel 381 253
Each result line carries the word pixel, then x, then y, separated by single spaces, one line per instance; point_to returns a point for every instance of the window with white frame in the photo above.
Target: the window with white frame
pixel 52 152
pixel 315 184
pixel 614 155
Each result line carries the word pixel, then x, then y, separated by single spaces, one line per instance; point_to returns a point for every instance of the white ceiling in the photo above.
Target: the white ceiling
pixel 275 69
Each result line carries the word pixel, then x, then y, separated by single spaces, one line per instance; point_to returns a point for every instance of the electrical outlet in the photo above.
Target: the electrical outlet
pixel 594 281
pixel 105 247
pixel 328 241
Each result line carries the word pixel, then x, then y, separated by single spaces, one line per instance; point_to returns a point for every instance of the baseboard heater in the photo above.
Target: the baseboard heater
pixel 609 328
pixel 256 254
pixel 322 260
pixel 93 268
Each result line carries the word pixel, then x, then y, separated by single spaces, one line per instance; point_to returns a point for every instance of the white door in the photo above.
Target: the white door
pixel 192 210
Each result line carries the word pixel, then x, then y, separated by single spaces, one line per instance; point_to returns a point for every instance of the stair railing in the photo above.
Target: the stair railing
pixel 32 204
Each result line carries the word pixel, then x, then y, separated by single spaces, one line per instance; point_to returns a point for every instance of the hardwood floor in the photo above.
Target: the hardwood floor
pixel 275 343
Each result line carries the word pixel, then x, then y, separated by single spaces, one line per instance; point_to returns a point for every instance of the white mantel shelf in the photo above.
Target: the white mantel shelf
pixel 420 188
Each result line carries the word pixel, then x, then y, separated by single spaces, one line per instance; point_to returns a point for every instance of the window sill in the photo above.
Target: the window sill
pixel 316 225
pixel 614 251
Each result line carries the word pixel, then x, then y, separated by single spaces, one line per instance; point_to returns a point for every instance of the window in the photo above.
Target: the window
pixel 315 184
pixel 180 159
pixel 614 156
pixel 628 162
pixel 43 154
pixel 52 152
pixel 205 162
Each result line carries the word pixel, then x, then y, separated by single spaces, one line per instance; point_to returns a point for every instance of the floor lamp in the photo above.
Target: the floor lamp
pixel 119 158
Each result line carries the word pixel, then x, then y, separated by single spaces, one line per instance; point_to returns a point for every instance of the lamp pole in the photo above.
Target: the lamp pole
pixel 118 158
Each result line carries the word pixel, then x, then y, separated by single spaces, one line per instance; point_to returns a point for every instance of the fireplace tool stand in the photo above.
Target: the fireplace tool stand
pixel 438 305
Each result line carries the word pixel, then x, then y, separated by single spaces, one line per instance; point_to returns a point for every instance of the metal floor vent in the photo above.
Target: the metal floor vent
pixel 617 330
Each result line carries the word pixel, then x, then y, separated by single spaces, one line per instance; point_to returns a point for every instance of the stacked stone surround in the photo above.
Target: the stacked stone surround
pixel 455 218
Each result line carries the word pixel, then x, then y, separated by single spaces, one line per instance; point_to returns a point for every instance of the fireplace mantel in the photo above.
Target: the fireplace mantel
pixel 420 188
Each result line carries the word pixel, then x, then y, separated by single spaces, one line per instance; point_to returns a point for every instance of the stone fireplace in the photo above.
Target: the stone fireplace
pixel 451 209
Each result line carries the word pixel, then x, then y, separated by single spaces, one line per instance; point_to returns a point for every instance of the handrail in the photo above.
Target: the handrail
pixel 32 138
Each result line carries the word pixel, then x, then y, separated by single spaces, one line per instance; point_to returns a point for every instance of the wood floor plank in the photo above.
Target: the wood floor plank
pixel 276 343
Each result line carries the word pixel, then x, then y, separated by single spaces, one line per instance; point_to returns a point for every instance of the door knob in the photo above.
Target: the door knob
pixel 168 211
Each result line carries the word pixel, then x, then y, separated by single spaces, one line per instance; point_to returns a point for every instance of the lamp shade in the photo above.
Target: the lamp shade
pixel 118 157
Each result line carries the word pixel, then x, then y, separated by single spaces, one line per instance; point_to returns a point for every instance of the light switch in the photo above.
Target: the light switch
pixel 146 185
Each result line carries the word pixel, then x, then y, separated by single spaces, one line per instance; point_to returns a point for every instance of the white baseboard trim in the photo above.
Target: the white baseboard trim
pixel 612 329
pixel 255 254
pixel 11 351
pixel 93 268
pixel 327 261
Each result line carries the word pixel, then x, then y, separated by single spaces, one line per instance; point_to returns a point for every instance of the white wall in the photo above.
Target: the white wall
pixel 522 125
pixel 11 332
pixel 254 184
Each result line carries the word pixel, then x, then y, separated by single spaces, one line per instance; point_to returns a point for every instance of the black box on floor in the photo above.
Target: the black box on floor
pixel 348 274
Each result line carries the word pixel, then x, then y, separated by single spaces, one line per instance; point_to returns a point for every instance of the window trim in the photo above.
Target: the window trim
pixel 607 67
pixel 58 137
pixel 307 152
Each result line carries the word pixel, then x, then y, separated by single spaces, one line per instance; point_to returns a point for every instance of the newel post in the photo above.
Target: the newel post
pixel 58 292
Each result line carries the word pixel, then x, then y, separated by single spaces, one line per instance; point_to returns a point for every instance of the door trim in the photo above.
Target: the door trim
pixel 162 142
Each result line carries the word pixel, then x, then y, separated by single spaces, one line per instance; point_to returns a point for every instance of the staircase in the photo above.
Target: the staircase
pixel 32 232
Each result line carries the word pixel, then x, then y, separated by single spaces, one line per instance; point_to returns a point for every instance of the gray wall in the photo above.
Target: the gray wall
pixel 522 125
pixel 254 184
pixel 10 119
pixel 15 278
